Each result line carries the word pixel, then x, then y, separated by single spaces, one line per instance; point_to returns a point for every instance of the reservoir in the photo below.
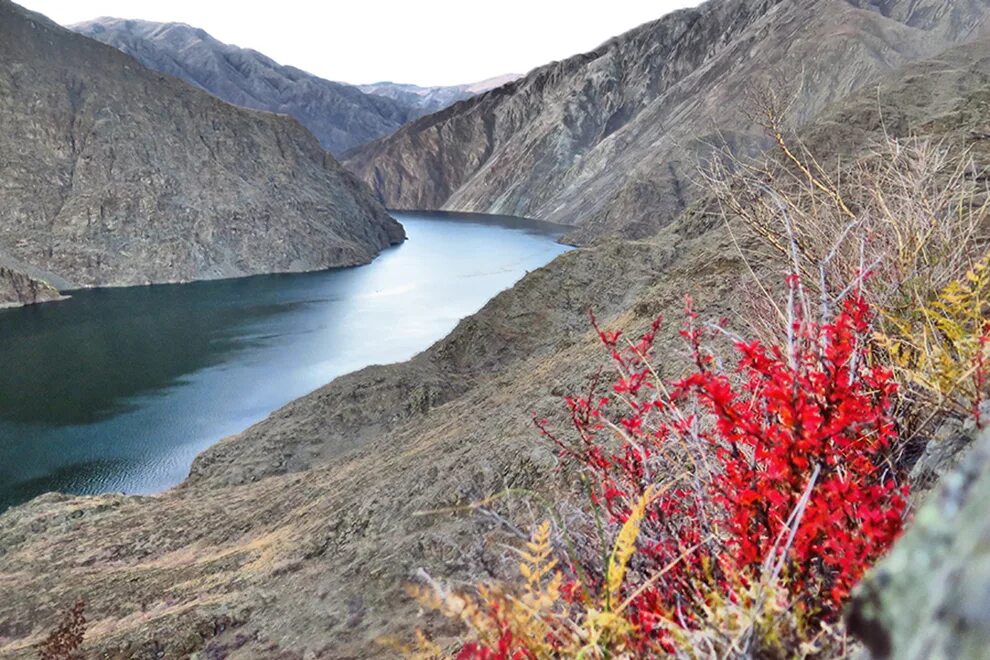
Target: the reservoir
pixel 117 390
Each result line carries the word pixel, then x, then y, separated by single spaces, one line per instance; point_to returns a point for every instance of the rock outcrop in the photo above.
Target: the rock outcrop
pixel 112 174
pixel 19 289
pixel 610 140
pixel 930 597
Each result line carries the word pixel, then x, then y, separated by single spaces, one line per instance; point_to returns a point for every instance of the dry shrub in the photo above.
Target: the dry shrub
pixel 731 510
pixel 943 346
pixel 65 641
pixel 903 224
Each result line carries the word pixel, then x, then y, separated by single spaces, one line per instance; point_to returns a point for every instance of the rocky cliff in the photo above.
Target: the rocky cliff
pixel 112 174
pixel 20 289
pixel 610 140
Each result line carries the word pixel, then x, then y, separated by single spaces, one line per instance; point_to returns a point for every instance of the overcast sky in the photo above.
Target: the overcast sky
pixel 427 42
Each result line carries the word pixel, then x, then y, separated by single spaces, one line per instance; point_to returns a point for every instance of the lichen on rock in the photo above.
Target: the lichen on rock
pixel 930 597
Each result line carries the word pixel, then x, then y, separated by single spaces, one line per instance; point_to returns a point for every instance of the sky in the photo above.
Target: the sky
pixel 425 42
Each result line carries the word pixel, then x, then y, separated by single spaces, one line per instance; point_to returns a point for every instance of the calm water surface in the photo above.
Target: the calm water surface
pixel 119 389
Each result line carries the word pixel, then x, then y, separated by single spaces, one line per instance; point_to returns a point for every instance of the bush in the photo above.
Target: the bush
pixel 942 346
pixel 908 216
pixel 65 641
pixel 743 505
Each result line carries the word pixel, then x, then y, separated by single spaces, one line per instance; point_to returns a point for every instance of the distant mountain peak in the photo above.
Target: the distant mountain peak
pixel 341 116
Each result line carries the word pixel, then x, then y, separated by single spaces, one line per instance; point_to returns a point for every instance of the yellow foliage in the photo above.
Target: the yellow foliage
pixel 536 614
pixel 747 617
pixel 422 647
pixel 530 615
pixel 940 345
pixel 625 546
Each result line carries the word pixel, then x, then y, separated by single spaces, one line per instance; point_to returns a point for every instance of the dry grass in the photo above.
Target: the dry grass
pixel 905 225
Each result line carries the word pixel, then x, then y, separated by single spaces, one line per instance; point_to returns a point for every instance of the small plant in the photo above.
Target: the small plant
pixel 943 346
pixel 743 505
pixel 65 641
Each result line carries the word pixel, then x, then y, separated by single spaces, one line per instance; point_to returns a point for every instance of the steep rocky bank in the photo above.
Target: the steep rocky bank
pixel 610 140
pixel 20 289
pixel 115 175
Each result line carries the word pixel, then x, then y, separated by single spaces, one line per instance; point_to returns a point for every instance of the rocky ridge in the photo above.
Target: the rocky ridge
pixel 341 116
pixel 116 175
pixel 20 289
pixel 427 100
pixel 610 141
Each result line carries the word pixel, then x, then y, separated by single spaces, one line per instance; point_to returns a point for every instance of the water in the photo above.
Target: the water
pixel 119 389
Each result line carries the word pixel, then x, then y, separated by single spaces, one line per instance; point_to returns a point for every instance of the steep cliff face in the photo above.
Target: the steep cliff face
pixel 610 140
pixel 112 174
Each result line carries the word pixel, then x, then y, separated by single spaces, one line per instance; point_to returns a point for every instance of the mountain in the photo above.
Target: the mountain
pixel 112 174
pixel 610 141
pixel 341 116
pixel 297 536
pixel 427 100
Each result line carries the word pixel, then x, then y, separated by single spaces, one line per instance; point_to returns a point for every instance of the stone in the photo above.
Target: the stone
pixel 930 597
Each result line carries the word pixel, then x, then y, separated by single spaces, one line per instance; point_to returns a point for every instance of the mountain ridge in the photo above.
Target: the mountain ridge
pixel 281 545
pixel 117 175
pixel 609 141
pixel 342 116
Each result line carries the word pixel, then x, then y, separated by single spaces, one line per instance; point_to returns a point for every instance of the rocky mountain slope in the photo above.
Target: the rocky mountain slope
pixel 296 536
pixel 427 100
pixel 341 116
pixel 112 174
pixel 610 140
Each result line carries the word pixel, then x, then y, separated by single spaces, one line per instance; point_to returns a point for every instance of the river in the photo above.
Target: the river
pixel 118 389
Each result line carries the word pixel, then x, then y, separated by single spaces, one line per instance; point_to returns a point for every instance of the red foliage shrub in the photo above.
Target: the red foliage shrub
pixel 785 473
